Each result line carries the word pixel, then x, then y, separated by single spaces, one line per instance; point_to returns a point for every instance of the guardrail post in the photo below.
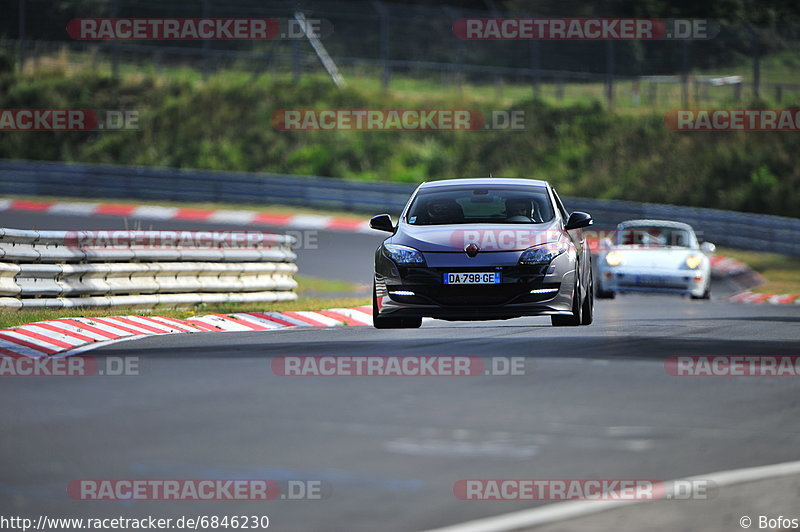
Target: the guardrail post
pixel 653 95
pixel 383 15
pixel 296 73
pixel 21 42
pixel 536 64
pixel 755 39
pixel 114 44
pixel 685 75
pixel 757 70
pixel 457 51
pixel 610 73
pixel 206 42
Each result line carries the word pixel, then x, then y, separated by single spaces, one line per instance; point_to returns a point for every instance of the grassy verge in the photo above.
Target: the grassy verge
pixel 12 318
pixel 315 284
pixel 311 290
pixel 781 272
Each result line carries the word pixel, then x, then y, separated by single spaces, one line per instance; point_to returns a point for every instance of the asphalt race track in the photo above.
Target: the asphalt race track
pixel 595 402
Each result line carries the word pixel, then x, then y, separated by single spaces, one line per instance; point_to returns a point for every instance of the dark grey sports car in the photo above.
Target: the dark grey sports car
pixel 478 249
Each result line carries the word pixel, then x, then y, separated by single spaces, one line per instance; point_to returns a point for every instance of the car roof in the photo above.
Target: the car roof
pixel 655 223
pixel 494 181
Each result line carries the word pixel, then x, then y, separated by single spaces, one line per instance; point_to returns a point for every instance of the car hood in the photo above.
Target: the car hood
pixel 488 237
pixel 655 258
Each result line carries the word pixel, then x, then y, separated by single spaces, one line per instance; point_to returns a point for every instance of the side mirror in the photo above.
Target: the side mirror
pixel 606 243
pixel 708 248
pixel 578 219
pixel 382 222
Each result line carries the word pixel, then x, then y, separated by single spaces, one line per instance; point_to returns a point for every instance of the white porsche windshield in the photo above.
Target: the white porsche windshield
pixel 654 237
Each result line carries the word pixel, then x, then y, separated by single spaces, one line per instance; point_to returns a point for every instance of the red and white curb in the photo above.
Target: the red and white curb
pixel 222 216
pixel 65 336
pixel 728 266
pixel 773 299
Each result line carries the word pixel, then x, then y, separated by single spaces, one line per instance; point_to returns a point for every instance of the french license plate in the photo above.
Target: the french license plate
pixel 472 278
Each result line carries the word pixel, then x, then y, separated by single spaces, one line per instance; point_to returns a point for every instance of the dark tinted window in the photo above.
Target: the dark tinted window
pixel 465 205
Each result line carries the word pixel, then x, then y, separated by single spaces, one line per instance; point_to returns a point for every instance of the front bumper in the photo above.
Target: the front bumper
pixel 523 291
pixel 622 280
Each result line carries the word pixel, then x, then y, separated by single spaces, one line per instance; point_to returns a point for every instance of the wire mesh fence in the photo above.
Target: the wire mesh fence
pixel 401 46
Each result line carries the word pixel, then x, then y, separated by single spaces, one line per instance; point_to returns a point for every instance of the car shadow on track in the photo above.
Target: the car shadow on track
pixel 592 347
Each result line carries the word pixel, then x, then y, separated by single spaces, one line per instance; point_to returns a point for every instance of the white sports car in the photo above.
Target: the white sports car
pixel 654 256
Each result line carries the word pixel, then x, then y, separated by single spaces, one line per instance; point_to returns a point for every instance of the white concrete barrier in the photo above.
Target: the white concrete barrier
pixel 60 269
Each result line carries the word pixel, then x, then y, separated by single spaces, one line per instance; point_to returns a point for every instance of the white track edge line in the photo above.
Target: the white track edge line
pixel 553 513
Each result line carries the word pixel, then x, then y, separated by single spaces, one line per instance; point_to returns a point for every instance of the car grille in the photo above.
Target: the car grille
pixel 472 295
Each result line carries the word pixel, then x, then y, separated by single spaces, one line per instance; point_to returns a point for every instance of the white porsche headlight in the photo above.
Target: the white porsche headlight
pixel 693 261
pixel 613 258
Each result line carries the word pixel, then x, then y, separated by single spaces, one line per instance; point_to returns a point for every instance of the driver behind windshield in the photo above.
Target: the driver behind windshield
pixel 444 211
pixel 518 210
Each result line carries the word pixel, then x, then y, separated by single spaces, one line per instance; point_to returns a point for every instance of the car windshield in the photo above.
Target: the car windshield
pixel 481 204
pixel 654 237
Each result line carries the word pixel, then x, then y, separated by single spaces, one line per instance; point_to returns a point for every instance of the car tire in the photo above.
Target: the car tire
pixel 396 323
pixel 599 293
pixel 587 316
pixel 604 294
pixel 706 294
pixel 559 320
pixel 382 322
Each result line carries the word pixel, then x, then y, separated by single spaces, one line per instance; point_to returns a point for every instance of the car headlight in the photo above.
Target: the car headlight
pixel 613 258
pixel 694 261
pixel 540 254
pixel 403 254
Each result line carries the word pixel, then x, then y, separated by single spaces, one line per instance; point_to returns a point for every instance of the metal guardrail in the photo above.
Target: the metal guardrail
pixel 758 232
pixel 742 230
pixel 170 184
pixel 63 269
